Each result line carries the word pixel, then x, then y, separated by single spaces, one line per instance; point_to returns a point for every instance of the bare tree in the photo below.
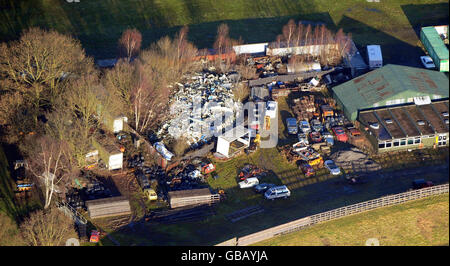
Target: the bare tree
pixel 149 100
pixel 130 43
pixel 38 64
pixel 47 163
pixel 288 32
pixel 47 228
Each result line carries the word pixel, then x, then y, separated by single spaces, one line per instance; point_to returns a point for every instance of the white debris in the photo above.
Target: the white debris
pixel 201 107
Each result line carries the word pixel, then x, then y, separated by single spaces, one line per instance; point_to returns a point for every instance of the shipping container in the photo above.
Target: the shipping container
pixel 435 47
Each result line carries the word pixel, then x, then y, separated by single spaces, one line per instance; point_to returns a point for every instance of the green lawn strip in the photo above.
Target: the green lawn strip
pixel 421 222
pixel 99 23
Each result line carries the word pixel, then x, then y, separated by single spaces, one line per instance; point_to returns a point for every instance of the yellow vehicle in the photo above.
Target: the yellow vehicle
pixel 317 161
pixel 151 193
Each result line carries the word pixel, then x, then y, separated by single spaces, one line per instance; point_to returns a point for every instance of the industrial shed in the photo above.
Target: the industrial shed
pixel 423 124
pixel 114 206
pixel 389 86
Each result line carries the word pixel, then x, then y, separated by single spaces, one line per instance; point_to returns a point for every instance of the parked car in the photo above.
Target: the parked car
pixel 307 169
pixel 332 167
pixel 328 137
pixel 340 134
pixel 249 182
pixel 95 236
pixel 315 137
pixel 271 109
pixel 277 192
pixel 427 62
pixel 316 125
pixel 421 183
pixel 263 187
pixel 291 124
pixel 304 126
pixel 302 137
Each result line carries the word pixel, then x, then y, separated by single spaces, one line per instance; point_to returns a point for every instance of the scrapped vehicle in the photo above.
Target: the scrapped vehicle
pixel 315 137
pixel 421 183
pixel 271 109
pixel 151 194
pixel 427 62
pixel 326 110
pixel 250 170
pixel 316 125
pixel 249 182
pixel 277 192
pixel 95 236
pixel 307 169
pixel 260 188
pixel 302 137
pixel 299 146
pixel 328 137
pixel 208 168
pixel 304 126
pixel 340 134
pixel 291 124
pixel 332 167
pixel 159 146
pixel 354 132
pixel 317 161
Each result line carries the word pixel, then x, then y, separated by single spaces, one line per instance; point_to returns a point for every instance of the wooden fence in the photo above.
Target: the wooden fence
pixel 336 213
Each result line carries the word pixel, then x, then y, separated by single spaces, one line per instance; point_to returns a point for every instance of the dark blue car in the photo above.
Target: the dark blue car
pixel 263 187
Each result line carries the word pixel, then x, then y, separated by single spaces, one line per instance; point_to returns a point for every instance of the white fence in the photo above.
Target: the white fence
pixel 336 213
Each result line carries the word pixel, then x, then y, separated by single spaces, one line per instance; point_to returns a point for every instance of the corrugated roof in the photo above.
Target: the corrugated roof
pixel 388 83
pixel 435 40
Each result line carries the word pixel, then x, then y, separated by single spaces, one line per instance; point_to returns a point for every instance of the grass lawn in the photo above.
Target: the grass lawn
pixel 99 23
pixel 422 222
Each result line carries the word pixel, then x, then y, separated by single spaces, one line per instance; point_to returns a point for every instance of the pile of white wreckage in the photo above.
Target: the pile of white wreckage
pixel 202 107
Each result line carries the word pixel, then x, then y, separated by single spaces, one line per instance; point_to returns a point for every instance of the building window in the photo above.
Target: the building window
pixel 388 144
pixel 381 145
pixel 403 142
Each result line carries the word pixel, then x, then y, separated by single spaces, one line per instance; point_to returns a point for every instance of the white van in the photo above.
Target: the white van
pixel 249 182
pixel 277 192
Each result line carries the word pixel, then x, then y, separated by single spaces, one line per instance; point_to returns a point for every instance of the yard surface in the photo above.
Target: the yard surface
pixel 422 222
pixel 99 23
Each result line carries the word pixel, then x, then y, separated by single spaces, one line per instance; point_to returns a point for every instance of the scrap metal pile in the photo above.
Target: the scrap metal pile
pixel 304 107
pixel 204 99
pixel 185 177
pixel 299 151
pixel 89 188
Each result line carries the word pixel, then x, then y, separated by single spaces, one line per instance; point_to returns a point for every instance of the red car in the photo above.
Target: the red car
pixel 307 169
pixel 95 236
pixel 340 134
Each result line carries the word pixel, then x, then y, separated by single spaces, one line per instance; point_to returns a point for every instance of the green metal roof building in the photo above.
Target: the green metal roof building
pixel 387 86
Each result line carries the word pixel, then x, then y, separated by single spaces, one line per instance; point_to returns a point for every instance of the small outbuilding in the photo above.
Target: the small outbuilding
pixel 233 141
pixel 192 197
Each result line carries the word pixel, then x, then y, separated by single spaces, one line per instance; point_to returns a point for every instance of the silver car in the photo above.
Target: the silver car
pixel 277 192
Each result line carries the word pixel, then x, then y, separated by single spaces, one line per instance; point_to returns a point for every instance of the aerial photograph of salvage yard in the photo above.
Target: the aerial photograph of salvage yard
pixel 223 123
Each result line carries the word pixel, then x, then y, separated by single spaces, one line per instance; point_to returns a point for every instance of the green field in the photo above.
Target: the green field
pixel 99 23
pixel 419 223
